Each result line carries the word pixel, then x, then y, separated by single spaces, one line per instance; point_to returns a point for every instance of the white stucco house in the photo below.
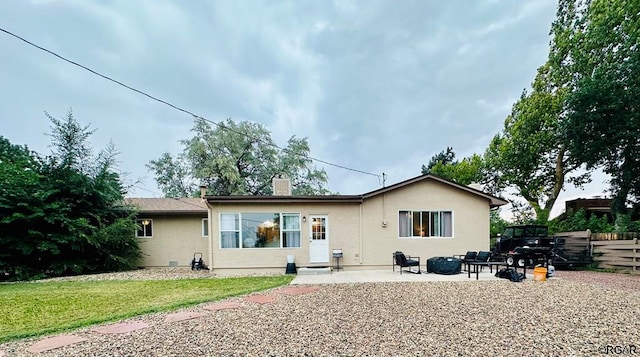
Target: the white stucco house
pixel 423 216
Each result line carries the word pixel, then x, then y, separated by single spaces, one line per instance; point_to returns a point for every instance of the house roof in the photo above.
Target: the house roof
pixel 169 205
pixel 285 199
pixel 493 200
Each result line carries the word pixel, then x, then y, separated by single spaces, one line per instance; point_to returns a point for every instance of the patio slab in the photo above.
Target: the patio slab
pixel 124 327
pixel 379 276
pixel 260 299
pixel 222 306
pixel 52 343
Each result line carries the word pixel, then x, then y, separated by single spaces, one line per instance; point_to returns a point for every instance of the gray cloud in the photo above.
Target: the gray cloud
pixel 378 85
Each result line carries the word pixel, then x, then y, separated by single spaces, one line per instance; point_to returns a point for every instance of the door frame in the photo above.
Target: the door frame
pixel 325 251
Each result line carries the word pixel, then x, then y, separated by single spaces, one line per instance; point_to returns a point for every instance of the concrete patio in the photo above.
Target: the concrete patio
pixel 378 276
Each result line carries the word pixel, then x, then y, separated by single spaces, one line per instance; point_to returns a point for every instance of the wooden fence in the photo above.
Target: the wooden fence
pixel 615 236
pixel 573 248
pixel 618 254
pixel 608 250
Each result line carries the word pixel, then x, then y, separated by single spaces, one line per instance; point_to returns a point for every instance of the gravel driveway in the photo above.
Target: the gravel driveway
pixel 579 314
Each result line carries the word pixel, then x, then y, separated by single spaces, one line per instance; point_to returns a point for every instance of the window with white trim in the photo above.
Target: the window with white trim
pixel 290 230
pixel 229 230
pixel 205 227
pixel 260 230
pixel 425 224
pixel 145 228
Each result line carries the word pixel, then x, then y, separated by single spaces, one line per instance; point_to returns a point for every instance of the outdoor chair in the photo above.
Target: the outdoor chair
pixel 406 261
pixel 483 257
pixel 469 258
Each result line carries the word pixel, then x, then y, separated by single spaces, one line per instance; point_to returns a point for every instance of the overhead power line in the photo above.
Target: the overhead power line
pixel 220 125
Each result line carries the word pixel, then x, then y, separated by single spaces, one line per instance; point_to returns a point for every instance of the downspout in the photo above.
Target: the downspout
pixel 360 236
pixel 203 192
pixel 210 235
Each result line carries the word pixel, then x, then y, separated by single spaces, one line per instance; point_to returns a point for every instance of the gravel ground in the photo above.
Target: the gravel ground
pixel 579 314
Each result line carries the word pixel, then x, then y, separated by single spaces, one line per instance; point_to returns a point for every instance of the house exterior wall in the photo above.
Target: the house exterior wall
pixel 175 239
pixel 470 223
pixel 344 233
pixel 358 229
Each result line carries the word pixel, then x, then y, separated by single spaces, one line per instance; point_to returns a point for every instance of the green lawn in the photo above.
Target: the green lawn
pixel 31 309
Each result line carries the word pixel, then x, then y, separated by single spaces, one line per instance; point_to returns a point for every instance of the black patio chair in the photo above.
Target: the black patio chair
pixel 470 257
pixel 406 261
pixel 483 257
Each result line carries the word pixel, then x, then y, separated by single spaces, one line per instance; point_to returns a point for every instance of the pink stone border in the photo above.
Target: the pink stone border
pixel 124 327
pixel 51 343
pixel 222 306
pixel 260 299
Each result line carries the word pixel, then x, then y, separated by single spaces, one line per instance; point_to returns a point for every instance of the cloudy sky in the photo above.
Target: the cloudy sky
pixel 378 86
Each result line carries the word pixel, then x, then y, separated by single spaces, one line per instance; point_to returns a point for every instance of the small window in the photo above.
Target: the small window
pixel 229 230
pixel 145 228
pixel 205 227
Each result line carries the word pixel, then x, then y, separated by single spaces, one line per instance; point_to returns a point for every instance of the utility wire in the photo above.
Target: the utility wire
pixel 222 126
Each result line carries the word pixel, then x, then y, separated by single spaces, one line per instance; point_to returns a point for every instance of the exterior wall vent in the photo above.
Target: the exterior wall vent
pixel 281 187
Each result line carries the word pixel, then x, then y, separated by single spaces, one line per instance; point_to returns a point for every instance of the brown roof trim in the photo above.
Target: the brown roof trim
pixel 285 199
pixel 170 213
pixel 493 200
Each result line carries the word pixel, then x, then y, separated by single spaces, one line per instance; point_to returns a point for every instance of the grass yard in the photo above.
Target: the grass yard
pixel 31 309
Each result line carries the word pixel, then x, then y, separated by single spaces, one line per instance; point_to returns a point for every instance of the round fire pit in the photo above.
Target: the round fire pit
pixel 444 265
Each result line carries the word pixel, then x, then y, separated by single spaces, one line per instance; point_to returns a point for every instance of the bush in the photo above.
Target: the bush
pixel 60 216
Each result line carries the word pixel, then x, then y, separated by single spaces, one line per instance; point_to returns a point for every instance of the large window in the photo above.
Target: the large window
pixel 425 224
pixel 260 230
pixel 145 228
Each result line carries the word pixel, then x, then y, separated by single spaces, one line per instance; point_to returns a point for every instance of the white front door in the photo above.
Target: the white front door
pixel 319 239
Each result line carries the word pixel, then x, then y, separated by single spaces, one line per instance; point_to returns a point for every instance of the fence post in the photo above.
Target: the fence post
pixel 635 250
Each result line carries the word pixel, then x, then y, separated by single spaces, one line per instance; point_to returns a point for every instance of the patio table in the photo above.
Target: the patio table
pixel 474 267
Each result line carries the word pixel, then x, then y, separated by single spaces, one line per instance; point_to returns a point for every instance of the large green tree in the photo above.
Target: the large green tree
pixel 444 157
pixel 465 172
pixel 237 159
pixel 602 128
pixel 530 155
pixel 63 214
pixel 21 195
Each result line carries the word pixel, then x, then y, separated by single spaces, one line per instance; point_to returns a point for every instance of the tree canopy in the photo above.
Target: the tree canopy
pixel 236 159
pixel 64 213
pixel 581 113
pixel 444 157
pixel 532 154
pixel 529 154
pixel 602 128
pixel 465 172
